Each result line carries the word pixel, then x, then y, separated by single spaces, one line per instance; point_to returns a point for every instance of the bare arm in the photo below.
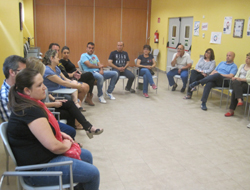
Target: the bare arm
pixel 138 63
pixel 188 66
pixel 173 62
pixel 110 62
pixel 88 64
pixel 42 131
pixel 58 80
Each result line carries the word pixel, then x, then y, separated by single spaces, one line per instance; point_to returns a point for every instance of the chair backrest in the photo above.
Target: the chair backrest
pixel 3 133
pixel 80 66
pixel 155 54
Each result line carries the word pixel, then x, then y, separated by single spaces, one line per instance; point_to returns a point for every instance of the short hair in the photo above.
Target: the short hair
pixel 248 54
pixel 64 47
pixel 147 47
pixel 52 44
pixel 35 64
pixel 212 56
pixel 91 43
pixel 121 42
pixel 11 62
pixel 50 53
pixel 182 46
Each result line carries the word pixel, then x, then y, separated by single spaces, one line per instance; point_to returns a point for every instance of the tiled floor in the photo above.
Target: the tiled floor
pixel 165 142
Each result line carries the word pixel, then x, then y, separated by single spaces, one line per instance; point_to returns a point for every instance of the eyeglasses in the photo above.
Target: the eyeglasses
pixel 179 49
pixel 18 70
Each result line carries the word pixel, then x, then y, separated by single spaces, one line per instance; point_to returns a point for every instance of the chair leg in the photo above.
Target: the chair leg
pixel 7 164
pixel 221 97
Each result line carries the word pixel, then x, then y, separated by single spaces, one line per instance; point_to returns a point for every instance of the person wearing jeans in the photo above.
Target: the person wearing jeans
pixel 119 61
pixel 146 63
pixel 91 63
pixel 226 69
pixel 181 63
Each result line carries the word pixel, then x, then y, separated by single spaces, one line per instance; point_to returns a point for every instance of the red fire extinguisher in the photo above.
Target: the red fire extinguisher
pixel 156 38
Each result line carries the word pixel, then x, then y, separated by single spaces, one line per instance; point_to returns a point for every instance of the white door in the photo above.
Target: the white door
pixel 179 32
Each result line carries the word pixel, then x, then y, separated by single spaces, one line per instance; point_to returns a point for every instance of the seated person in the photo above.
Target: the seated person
pixel 54 79
pixel 240 84
pixel 67 108
pixel 182 62
pixel 146 63
pixel 119 61
pixel 38 132
pixel 91 63
pixel 226 69
pixel 69 70
pixel 11 66
pixel 202 69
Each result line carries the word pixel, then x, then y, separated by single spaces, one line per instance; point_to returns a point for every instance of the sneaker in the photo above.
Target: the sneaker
pixel 154 86
pixel 174 87
pixel 146 95
pixel 194 84
pixel 102 100
pixel 110 95
pixel 131 90
pixel 183 90
pixel 203 106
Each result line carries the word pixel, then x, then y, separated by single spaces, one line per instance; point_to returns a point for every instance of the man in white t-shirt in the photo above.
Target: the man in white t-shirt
pixel 181 63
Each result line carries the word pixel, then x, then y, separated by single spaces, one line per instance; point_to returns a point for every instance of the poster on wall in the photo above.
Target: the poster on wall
pixel 196 28
pixel 215 38
pixel 248 27
pixel 204 26
pixel 227 25
pixel 238 28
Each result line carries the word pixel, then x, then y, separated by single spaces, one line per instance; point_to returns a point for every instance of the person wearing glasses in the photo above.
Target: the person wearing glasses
pixel 181 62
pixel 12 65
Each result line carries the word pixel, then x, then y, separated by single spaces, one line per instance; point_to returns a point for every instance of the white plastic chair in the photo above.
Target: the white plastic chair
pixel 3 133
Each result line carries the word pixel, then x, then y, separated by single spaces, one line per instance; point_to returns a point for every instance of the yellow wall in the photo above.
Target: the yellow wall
pixel 214 12
pixel 11 37
pixel 28 25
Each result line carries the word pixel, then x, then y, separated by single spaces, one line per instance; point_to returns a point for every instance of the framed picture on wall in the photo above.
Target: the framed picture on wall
pixel 238 28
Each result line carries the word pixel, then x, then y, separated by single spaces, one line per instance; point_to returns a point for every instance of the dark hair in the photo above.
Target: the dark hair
pixel 147 47
pixel 11 62
pixel 50 53
pixel 64 47
pixel 54 44
pixel 212 56
pixel 248 54
pixel 24 78
pixel 91 43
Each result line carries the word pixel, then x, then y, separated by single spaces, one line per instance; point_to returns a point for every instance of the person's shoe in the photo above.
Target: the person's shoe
pixel 96 132
pixel 203 106
pixel 154 86
pixel 183 90
pixel 194 84
pixel 228 114
pixel 131 90
pixel 240 104
pixel 110 95
pixel 174 87
pixel 102 100
pixel 146 95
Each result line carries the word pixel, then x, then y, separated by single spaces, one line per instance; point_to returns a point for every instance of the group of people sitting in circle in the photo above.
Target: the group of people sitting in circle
pixel 207 73
pixel 25 101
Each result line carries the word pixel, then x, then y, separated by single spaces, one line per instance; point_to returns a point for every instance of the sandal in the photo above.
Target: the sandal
pixel 96 132
pixel 82 109
pixel 187 97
